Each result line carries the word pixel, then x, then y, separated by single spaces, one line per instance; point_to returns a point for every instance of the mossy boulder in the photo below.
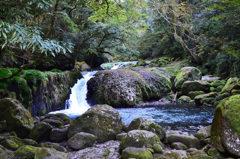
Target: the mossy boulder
pixel 189 86
pixel 184 99
pixel 139 139
pixel 178 146
pixel 193 94
pixel 81 140
pixel 40 132
pixel 184 137
pixel 145 124
pixel 55 146
pixel 58 134
pixel 139 153
pixel 187 74
pixel 103 121
pixel 82 66
pixel 225 131
pixel 218 83
pixel 200 99
pixel 128 87
pixel 203 133
pixel 17 118
pixel 175 154
pixel 231 82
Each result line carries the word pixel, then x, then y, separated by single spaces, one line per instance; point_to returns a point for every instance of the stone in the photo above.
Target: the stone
pixel 184 99
pixel 9 144
pixel 5 153
pixel 178 146
pixel 81 140
pixel 218 83
pixel 128 87
pixel 193 94
pixel 203 133
pixel 63 118
pixel 199 100
pixel 175 154
pixel 139 139
pixel 187 74
pixel 54 123
pixel 157 148
pixel 145 124
pixel 133 152
pixel 225 132
pixel 103 121
pixel 82 66
pixel 58 134
pixel 184 137
pixel 53 145
pixel 231 82
pixel 189 86
pixel 120 136
pixel 40 132
pixel 17 118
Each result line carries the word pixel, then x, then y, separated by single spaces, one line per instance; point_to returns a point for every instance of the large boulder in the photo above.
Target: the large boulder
pixel 40 132
pixel 189 86
pixel 128 87
pixel 81 140
pixel 103 121
pixel 225 131
pixel 133 152
pixel 139 139
pixel 203 98
pixel 231 82
pixel 145 124
pixel 17 118
pixel 187 74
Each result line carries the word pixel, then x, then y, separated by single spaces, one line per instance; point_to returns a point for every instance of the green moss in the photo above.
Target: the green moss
pixel 33 77
pixel 56 70
pixel 43 111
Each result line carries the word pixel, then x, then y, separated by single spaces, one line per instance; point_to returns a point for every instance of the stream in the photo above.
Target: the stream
pixel 184 117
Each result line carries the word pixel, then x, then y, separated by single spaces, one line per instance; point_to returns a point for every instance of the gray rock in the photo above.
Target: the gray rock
pixel 175 154
pixel 81 140
pixel 189 86
pixel 145 124
pixel 178 146
pixel 58 135
pixel 40 132
pixel 203 133
pixel 120 136
pixel 103 121
pixel 184 99
pixel 53 145
pixel 133 152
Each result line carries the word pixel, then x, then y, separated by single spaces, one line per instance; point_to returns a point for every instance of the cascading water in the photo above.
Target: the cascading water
pixel 77 102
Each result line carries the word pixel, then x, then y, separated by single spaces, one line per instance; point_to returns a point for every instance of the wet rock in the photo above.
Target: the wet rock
pixel 103 121
pixel 200 99
pixel 139 139
pixel 81 140
pixel 145 124
pixel 184 99
pixel 133 152
pixel 178 146
pixel 184 137
pixel 189 86
pixel 203 133
pixel 17 118
pixel 40 132
pixel 58 135
pixel 225 133
pixel 187 74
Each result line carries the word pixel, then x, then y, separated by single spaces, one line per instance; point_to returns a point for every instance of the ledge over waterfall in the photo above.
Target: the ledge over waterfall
pixel 128 87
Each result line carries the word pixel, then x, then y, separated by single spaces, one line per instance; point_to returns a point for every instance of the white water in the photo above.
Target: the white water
pixel 77 101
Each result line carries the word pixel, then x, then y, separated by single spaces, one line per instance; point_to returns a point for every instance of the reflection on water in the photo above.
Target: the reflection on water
pixel 184 117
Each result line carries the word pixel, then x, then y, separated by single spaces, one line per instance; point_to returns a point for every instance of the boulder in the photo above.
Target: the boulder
pixel 145 124
pixel 120 136
pixel 58 135
pixel 218 83
pixel 189 86
pixel 103 121
pixel 231 82
pixel 225 132
pixel 193 94
pixel 184 99
pixel 175 154
pixel 53 145
pixel 128 87
pixel 5 154
pixel 203 133
pixel 184 137
pixel 133 152
pixel 178 146
pixel 81 140
pixel 40 132
pixel 60 117
pixel 139 139
pixel 29 152
pixel 187 74
pixel 17 118
pixel 200 99
pixel 82 66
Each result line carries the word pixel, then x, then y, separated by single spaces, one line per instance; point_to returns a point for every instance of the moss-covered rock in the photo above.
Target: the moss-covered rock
pixel 231 82
pixel 53 145
pixel 178 146
pixel 225 131
pixel 81 140
pixel 40 132
pixel 145 124
pixel 193 94
pixel 139 153
pixel 184 99
pixel 17 118
pixel 139 139
pixel 187 74
pixel 175 154
pixel 58 134
pixel 103 121
pixel 203 133
pixel 82 66
pixel 200 99
pixel 189 86
pixel 218 83
pixel 128 87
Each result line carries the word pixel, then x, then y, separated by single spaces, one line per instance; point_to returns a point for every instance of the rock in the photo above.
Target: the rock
pixel 141 62
pixel 184 137
pixel 235 92
pixel 29 152
pixel 54 123
pixel 63 118
pixel 198 154
pixel 133 152
pixel 5 154
pixel 157 148
pixel 175 154
pixel 184 99
pixel 120 136
pixel 82 66
pixel 199 100
pixel 9 144
pixel 40 132
pixel 128 87
pixel 214 153
pixel 203 133
pixel 29 142
pixel 58 135
pixel 231 82
pixel 145 124
pixel 81 140
pixel 187 74
pixel 218 83
pixel 209 78
pixel 178 146
pixel 17 118
pixel 103 121
pixel 189 86
pixel 225 132
pixel 53 145
pixel 193 94
pixel 139 139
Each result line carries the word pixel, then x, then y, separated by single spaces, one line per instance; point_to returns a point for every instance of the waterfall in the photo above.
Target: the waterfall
pixel 77 102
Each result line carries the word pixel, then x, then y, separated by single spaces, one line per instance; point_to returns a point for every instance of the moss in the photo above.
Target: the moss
pixel 34 77
pixel 43 111
pixel 56 70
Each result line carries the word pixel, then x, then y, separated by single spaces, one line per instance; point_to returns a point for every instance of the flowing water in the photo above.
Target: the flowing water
pixel 185 117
